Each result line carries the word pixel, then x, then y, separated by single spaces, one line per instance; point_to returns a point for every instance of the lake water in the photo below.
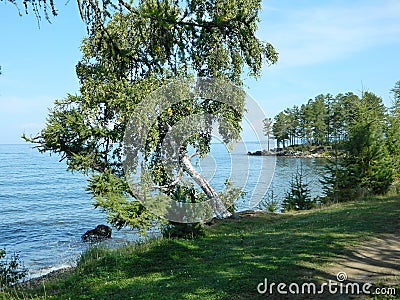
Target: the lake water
pixel 44 209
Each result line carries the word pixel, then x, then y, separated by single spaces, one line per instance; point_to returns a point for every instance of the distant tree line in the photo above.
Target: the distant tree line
pixel 321 121
pixel 363 134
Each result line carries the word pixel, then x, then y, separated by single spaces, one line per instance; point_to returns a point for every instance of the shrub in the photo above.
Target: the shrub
pixel 11 270
pixel 298 197
pixel 270 203
pixel 183 230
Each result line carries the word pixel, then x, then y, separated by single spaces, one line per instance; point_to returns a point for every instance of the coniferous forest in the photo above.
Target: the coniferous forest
pixel 360 133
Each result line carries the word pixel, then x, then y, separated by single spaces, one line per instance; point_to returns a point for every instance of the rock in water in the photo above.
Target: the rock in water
pixel 99 233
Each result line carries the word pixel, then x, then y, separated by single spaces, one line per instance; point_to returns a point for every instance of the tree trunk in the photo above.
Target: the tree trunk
pixel 218 206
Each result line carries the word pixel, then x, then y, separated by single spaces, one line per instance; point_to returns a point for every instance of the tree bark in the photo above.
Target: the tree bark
pixel 218 206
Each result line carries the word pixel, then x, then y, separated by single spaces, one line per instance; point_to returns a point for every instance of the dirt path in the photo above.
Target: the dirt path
pixel 376 261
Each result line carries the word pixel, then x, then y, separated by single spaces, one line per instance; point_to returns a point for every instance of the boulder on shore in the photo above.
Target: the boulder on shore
pixel 262 153
pixel 99 233
pixel 257 153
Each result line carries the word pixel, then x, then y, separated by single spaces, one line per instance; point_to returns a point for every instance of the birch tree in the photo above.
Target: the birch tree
pixel 130 54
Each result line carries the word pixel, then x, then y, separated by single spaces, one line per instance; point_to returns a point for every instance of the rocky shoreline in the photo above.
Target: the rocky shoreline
pixel 292 153
pixel 35 282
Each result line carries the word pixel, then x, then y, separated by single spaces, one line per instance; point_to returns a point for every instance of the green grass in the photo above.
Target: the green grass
pixel 230 260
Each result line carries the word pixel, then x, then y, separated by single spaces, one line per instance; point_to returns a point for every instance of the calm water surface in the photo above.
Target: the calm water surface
pixel 44 209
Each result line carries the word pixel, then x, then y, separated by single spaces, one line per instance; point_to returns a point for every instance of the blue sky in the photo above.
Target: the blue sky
pixel 324 46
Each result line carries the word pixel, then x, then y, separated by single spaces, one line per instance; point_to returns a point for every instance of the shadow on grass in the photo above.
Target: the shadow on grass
pixel 233 257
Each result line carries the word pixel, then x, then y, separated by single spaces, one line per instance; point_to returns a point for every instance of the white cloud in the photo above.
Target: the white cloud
pixel 320 32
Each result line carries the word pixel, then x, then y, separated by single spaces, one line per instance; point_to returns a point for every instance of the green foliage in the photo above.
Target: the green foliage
pixel 318 119
pixel 336 183
pixel 367 167
pixel 12 270
pixel 393 130
pixel 364 138
pixel 183 230
pixel 112 195
pixel 267 128
pixel 369 163
pixel 298 197
pixel 131 52
pixel 270 203
pixel 322 121
pixel 230 194
pixel 280 129
pixel 396 95
pixel 166 36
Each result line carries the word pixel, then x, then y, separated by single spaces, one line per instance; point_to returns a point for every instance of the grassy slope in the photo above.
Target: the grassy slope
pixel 233 257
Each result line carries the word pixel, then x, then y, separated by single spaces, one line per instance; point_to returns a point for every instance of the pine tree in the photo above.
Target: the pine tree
pixel 267 128
pixel 366 167
pixel 270 203
pixel 280 128
pixel 369 161
pixel 298 197
pixel 393 130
